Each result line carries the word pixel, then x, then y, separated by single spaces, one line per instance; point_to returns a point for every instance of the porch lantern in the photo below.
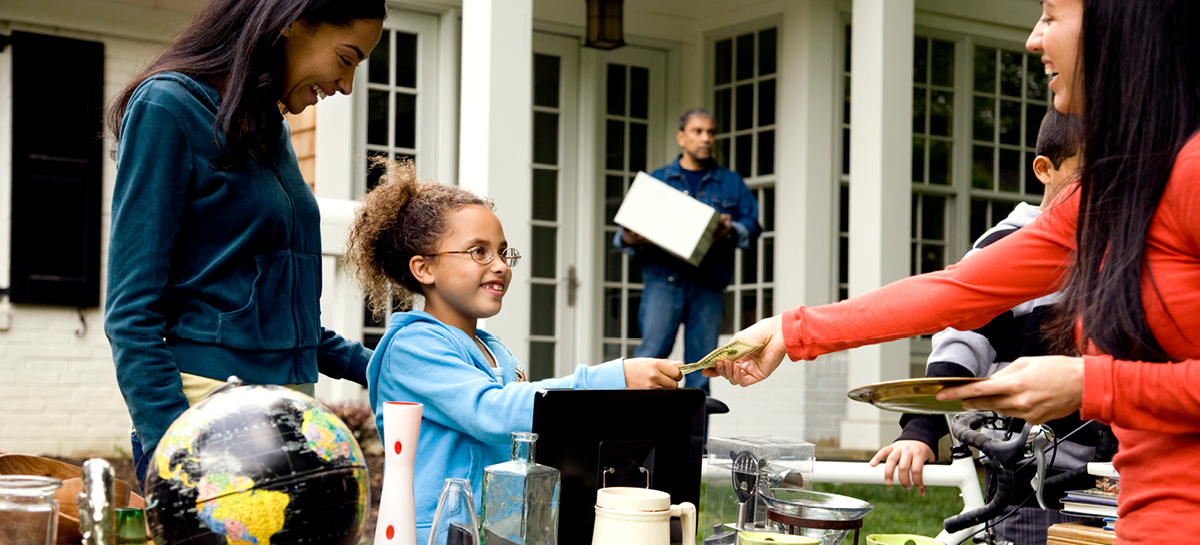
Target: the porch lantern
pixel 604 19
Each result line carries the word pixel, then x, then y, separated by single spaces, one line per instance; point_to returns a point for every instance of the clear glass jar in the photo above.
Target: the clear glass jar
pixel 28 510
pixel 520 498
pixel 131 526
pixel 455 522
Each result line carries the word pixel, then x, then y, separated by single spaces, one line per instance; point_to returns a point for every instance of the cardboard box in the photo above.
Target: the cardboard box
pixel 668 218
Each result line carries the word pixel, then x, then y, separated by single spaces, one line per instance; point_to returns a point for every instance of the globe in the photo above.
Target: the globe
pixel 260 465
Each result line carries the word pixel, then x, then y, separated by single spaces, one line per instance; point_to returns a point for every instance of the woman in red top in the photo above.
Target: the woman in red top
pixel 1123 246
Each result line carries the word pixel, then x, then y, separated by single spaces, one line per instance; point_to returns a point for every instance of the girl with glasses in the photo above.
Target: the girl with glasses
pixel 445 244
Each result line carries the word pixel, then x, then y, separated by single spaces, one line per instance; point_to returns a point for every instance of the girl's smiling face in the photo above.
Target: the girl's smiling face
pixel 458 290
pixel 1056 37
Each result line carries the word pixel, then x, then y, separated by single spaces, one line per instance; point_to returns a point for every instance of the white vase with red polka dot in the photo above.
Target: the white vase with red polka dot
pixel 397 523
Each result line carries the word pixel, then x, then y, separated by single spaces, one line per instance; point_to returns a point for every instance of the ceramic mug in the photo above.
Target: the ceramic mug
pixel 640 516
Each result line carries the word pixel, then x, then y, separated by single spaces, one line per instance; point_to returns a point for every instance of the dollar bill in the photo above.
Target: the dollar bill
pixel 734 350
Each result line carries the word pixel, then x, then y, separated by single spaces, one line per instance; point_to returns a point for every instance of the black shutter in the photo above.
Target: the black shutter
pixel 58 108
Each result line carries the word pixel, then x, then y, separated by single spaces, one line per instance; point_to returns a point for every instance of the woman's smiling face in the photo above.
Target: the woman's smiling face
pixel 1056 37
pixel 319 60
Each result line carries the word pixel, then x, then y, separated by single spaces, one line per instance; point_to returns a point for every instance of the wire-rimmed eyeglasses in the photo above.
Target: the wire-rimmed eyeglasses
pixel 484 256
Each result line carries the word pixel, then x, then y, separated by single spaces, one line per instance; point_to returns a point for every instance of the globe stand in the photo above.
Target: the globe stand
pixel 794 524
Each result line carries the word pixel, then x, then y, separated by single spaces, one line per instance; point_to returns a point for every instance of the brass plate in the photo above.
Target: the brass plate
pixel 915 395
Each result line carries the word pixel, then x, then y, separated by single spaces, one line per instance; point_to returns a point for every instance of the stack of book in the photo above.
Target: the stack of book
pixel 1074 533
pixel 1099 502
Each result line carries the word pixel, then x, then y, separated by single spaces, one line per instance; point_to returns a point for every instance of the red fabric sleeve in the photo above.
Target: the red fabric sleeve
pixel 1025 265
pixel 1157 397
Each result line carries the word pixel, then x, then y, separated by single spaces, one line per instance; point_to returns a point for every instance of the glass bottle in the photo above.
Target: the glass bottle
pixel 455 522
pixel 131 526
pixel 28 510
pixel 520 498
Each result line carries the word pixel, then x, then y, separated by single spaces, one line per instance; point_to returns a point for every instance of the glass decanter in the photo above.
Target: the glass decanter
pixel 520 498
pixel 455 522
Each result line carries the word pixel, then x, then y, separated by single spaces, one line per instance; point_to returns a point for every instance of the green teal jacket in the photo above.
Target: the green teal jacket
pixel 210 272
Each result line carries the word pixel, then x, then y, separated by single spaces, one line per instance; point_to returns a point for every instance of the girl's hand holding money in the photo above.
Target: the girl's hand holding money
pixel 652 373
pixel 759 364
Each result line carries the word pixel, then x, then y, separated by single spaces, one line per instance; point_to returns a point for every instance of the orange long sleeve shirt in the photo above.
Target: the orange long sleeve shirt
pixel 1154 409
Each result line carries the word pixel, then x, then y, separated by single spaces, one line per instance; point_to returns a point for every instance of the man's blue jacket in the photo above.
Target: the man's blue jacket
pixel 723 190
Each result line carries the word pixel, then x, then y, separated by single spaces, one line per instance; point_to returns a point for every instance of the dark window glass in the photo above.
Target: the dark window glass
pixel 919 103
pixel 843 260
pixel 1010 122
pixel 942 64
pixel 371 340
pixel 545 80
pixel 1036 80
pixel 933 258
pixel 768 302
pixel 844 208
pixel 541 360
pixel 847 43
pixel 616 89
pixel 612 259
pixel 1010 73
pixel 979 218
pixel 939 162
pixel 920 60
pixel 767 206
pixel 614 148
pixel 1033 122
pixel 1010 171
pixel 750 264
pixel 637 147
pixel 545 194
pixel 1001 210
pixel 766 153
pixel 379 61
pixel 768 267
pixel 544 252
pixel 846 101
pixel 724 61
pixel 766 52
pixel 723 109
pixel 721 151
pixel 406 60
pixel 744 149
pixel 728 325
pixel 933 218
pixel 612 312
pixel 941 112
pixel 744 100
pixel 984 120
pixel 639 92
pixel 982 167
pixel 541 309
pixel 545 138
pixel 614 193
pixel 612 351
pixel 766 102
pixel 631 315
pixel 635 274
pixel 745 56
pixel 846 150
pixel 918 159
pixel 377 113
pixel 406 120
pixel 985 69
pixel 749 307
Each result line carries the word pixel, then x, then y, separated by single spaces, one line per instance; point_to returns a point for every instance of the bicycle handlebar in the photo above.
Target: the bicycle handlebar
pixel 1003 453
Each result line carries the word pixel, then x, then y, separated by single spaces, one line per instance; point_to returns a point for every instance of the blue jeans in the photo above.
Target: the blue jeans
pixel 668 304
pixel 141 460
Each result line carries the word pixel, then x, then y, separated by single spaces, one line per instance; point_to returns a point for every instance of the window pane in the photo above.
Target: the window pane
pixel 918 110
pixel 932 258
pixel 545 80
pixel 1033 122
pixel 721 151
pixel 982 165
pixel 406 60
pixel 745 56
pixel 631 318
pixel 377 117
pixel 612 351
pixel 380 61
pixel 941 112
pixel 406 120
pixel 544 253
pixel 728 324
pixel 724 62
pixel 1010 122
pixel 939 162
pixel 942 64
pixel 541 309
pixel 846 150
pixel 844 209
pixel 916 214
pixel 612 258
pixel 984 119
pixel 743 148
pixel 1033 186
pixel 846 100
pixel 846 42
pixel 766 52
pixel 768 268
pixel 639 92
pixel 768 302
pixel 766 153
pixel 371 340
pixel 612 312
pixel 614 148
pixel 744 99
pixel 979 219
pixel 918 159
pixel 1001 210
pixel 545 195
pixel 1010 171
pixel 616 89
pixel 637 147
pixel 1010 73
pixel 723 109
pixel 634 274
pixel 933 217
pixel 750 264
pixel 767 206
pixel 545 138
pixel 749 307
pixel 1036 80
pixel 920 60
pixel 843 260
pixel 541 360
pixel 766 102
pixel 985 69
pixel 614 193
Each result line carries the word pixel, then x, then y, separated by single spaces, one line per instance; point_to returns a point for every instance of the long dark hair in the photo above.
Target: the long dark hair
pixel 237 45
pixel 1140 66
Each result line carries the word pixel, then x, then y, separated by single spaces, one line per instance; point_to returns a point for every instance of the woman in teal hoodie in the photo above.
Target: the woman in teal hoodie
pixel 214 265
pixel 446 244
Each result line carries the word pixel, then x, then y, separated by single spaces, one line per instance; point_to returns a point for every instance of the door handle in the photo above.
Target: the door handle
pixel 572 285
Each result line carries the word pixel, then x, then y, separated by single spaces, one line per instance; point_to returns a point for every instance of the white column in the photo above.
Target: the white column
pixel 880 192
pixel 496 138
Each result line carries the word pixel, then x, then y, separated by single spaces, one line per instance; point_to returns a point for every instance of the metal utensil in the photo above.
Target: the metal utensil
pixel 745 481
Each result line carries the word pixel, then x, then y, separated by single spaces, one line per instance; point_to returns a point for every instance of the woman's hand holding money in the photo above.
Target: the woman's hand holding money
pixel 758 365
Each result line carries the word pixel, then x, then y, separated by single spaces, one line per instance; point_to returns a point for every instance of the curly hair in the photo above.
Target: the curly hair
pixel 401 218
